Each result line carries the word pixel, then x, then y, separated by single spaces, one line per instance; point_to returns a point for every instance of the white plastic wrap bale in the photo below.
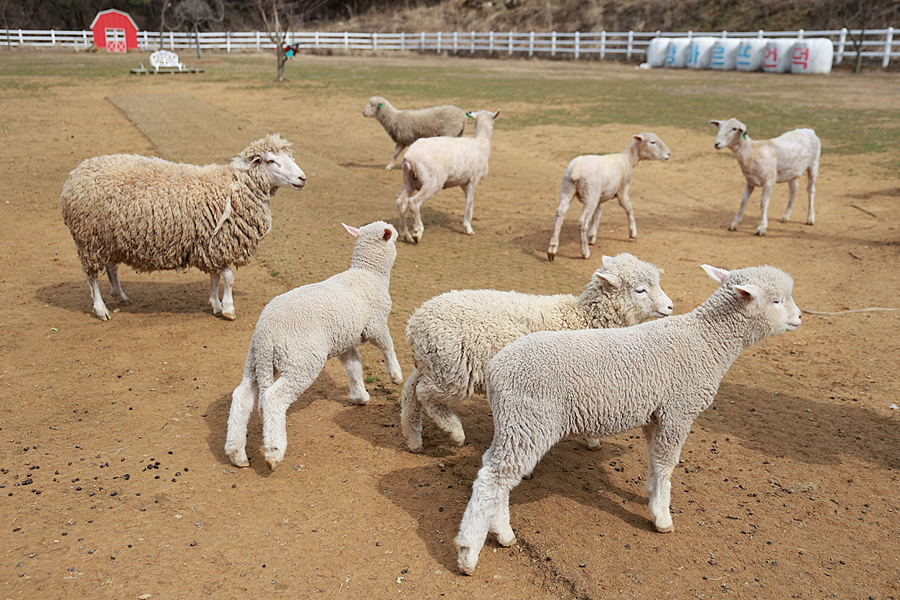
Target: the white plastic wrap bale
pixel 814 55
pixel 656 52
pixel 750 55
pixel 676 57
pixel 724 55
pixel 777 57
pixel 699 52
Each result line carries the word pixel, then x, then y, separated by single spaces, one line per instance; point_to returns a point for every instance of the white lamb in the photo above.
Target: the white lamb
pixel 299 330
pixel 407 126
pixel 433 164
pixel 595 179
pixel 454 335
pixel 767 162
pixel 658 375
pixel 156 215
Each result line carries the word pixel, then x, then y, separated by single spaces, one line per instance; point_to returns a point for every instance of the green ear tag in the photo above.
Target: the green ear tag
pixel 744 134
pixel 381 106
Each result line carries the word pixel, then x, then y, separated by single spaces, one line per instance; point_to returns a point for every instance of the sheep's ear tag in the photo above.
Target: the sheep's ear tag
pixel 353 230
pixel 381 106
pixel 750 292
pixel 717 274
pixel 744 134
pixel 387 235
pixel 468 114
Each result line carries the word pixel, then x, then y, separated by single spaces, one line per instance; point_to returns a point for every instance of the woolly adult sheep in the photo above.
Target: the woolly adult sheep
pixel 454 335
pixel 407 126
pixel 433 164
pixel 767 162
pixel 154 215
pixel 299 330
pixel 658 375
pixel 595 179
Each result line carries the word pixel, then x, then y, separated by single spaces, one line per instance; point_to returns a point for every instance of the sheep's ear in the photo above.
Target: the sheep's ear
pixel 611 279
pixel 256 160
pixel 719 275
pixel 639 137
pixel 353 230
pixel 748 291
pixel 496 114
pixel 715 123
pixel 387 234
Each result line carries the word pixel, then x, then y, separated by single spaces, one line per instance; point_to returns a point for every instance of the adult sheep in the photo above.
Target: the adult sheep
pixel 433 164
pixel 595 179
pixel 659 376
pixel 154 215
pixel 767 162
pixel 407 126
pixel 454 335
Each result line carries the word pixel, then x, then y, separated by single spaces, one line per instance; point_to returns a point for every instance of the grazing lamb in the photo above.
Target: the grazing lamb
pixel 299 330
pixel 767 162
pixel 156 215
pixel 454 335
pixel 433 164
pixel 659 376
pixel 407 126
pixel 595 179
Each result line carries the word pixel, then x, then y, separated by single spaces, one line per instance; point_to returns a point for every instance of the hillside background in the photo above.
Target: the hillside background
pixel 468 15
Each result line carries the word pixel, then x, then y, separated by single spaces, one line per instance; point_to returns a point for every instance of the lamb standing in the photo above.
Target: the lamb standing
pixel 299 330
pixel 454 335
pixel 767 162
pixel 154 215
pixel 595 179
pixel 658 376
pixel 407 126
pixel 433 164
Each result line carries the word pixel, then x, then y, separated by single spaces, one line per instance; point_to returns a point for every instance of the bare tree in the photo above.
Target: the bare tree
pixel 278 16
pixel 857 11
pixel 196 13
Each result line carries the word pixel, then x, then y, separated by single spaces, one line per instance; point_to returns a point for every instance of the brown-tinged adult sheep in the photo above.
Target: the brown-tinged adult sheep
pixel 154 215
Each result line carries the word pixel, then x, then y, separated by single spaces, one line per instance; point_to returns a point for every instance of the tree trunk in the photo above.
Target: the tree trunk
pixel 197 41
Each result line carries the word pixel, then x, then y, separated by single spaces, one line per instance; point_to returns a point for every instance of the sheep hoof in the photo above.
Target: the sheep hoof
pixel 592 443
pixel 416 449
pixel 228 315
pixel 761 232
pixel 506 540
pixel 272 463
pixel 668 529
pixel 389 167
pixel 551 256
pixel 465 561
pixel 732 227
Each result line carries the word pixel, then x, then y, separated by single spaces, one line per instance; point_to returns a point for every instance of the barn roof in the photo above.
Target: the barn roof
pixel 112 10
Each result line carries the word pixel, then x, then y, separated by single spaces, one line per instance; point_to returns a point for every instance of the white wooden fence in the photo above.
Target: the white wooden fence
pixel 876 43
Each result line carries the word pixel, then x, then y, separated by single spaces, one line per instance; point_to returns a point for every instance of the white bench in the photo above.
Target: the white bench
pixel 165 60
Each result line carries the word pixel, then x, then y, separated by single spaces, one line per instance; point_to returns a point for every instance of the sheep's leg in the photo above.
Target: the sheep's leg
pixel 273 404
pixel 380 337
pixel 397 150
pixel 566 194
pixel 99 307
pixel 584 222
pixel 243 399
pixel 469 189
pixel 625 203
pixel 595 224
pixel 764 207
pixel 352 364
pixel 214 301
pixel 442 415
pixel 662 458
pixel 402 201
pixel 227 294
pixel 793 185
pixel 748 189
pixel 811 174
pixel 415 207
pixel 112 273
pixel 411 413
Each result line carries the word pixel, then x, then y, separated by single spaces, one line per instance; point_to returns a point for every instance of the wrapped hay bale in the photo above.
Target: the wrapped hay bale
pixel 656 52
pixel 750 55
pixel 724 55
pixel 777 57
pixel 699 52
pixel 676 57
pixel 814 55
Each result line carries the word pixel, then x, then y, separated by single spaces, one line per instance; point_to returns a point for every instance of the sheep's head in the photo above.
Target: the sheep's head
pixel 763 295
pixel 633 287
pixel 272 154
pixel 376 103
pixel 376 246
pixel 484 120
pixel 651 147
pixel 731 131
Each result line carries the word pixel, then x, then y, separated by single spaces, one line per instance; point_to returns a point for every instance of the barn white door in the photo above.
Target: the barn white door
pixel 115 40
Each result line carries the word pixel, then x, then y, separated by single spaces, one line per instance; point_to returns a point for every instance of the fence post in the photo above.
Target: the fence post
pixel 374 42
pixel 171 40
pixel 724 35
pixel 510 43
pixel 576 44
pixel 800 34
pixel 439 42
pixel 402 42
pixel 530 44
pixel 21 39
pixel 888 41
pixel 472 49
pixel 553 44
pixel 422 42
pixel 257 41
pixel 841 42
pixel 491 43
pixel 455 41
pixel 630 44
pixel 346 41
pixel 228 42
pixel 603 44
pixel 759 34
pixel 52 37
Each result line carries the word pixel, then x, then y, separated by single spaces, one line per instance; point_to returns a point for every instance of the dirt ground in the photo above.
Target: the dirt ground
pixel 114 483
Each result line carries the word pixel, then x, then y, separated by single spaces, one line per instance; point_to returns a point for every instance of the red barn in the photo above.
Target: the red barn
pixel 115 31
